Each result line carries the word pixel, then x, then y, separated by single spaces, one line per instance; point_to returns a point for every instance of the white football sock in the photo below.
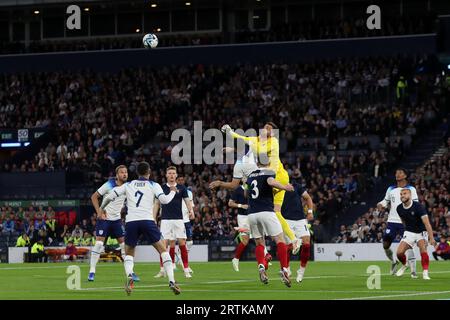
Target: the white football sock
pixel 189 244
pixel 122 250
pixel 95 255
pixel 168 267
pixel 411 260
pixel 129 265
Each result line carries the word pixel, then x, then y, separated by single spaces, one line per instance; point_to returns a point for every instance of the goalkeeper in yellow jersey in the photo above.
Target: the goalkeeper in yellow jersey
pixel 266 145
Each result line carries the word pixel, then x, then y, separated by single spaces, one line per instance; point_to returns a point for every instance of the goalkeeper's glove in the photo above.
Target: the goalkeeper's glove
pixel 226 128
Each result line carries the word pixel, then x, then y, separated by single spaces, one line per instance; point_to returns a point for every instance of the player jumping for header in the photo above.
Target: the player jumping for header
pixel 263 220
pixel 266 148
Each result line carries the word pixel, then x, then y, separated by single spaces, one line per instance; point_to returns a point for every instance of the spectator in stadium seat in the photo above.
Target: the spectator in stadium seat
pixel 23 240
pixel 39 222
pixel 77 232
pixel 442 249
pixel 51 225
pixel 31 212
pixel 71 251
pixel 318 232
pixel 65 235
pixel 85 226
pixel 88 240
pixel 8 226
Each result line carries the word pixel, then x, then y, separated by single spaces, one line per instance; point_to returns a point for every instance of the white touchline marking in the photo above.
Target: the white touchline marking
pixel 397 295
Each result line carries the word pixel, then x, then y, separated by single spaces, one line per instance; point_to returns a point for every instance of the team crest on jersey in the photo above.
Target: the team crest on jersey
pixel 100 232
pixel 412 212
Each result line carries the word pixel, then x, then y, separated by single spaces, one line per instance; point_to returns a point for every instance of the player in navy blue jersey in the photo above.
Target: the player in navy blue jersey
pixel 187 217
pixel 292 210
pixel 239 201
pixel 418 231
pixel 263 220
pixel 172 224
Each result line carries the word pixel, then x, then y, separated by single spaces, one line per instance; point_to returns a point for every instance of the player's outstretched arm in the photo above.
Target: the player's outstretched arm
pixel 275 184
pixel 226 185
pixel 234 204
pixel 227 129
pixel 164 198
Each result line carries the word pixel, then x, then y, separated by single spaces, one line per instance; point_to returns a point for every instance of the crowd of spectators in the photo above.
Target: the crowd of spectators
pixel 52 227
pixel 432 181
pixel 102 120
pixel 347 28
pixel 295 31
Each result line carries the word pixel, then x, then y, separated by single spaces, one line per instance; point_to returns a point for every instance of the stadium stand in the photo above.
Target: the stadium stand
pixel 348 116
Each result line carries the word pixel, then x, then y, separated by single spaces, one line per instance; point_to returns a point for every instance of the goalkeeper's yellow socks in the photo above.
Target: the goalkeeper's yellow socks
pixel 285 226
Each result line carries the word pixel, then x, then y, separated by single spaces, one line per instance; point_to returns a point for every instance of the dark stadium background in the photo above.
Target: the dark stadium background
pixel 312 67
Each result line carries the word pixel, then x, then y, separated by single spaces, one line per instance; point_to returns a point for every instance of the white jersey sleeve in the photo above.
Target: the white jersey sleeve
pixel 414 195
pixel 112 208
pixel 386 201
pixel 105 188
pixel 159 193
pixel 184 207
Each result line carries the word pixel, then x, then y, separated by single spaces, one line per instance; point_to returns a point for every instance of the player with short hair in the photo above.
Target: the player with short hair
pixel 292 211
pixel 186 219
pixel 172 224
pixel 241 170
pixel 140 195
pixel 109 222
pixel 263 220
pixel 394 223
pixel 418 231
pixel 266 149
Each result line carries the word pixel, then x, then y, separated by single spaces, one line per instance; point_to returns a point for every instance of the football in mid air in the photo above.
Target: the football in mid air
pixel 150 41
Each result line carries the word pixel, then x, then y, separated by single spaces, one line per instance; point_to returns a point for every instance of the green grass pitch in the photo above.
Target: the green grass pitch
pixel 218 281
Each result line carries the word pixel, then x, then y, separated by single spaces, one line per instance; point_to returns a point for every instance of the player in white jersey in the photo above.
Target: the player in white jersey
pixel 394 224
pixel 140 195
pixel 109 222
pixel 243 167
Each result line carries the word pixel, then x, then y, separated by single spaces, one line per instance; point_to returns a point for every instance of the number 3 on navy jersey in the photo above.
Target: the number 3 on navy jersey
pixel 255 188
pixel 140 194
